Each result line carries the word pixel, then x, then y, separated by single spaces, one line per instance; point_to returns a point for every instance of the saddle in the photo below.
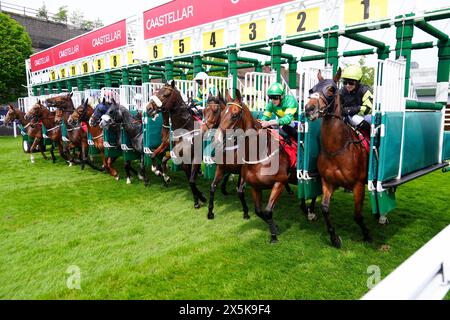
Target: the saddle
pixel 290 146
pixel 363 136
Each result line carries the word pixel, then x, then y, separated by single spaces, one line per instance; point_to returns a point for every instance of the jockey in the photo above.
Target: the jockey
pixel 357 98
pixel 285 108
pixel 202 92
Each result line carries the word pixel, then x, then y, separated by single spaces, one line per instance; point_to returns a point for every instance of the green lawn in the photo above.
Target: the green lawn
pixel 136 243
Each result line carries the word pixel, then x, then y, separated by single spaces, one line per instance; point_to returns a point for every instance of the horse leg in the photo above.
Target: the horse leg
pixel 134 171
pixel 309 210
pixel 143 171
pixel 223 186
pixel 241 195
pixel 196 168
pixel 112 171
pixel 288 189
pixel 83 155
pixel 327 190
pixel 275 194
pixel 189 173
pixel 358 196
pixel 218 176
pixel 52 152
pixel 165 170
pixel 257 200
pixel 32 148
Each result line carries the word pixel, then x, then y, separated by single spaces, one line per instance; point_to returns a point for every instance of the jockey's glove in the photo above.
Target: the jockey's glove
pixel 351 111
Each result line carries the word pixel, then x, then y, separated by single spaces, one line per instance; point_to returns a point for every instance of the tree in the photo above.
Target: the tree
pixel 61 15
pixel 98 23
pixel 42 12
pixel 368 73
pixel 77 18
pixel 87 24
pixel 15 47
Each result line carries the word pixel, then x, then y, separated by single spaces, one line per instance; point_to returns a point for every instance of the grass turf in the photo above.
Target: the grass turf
pixel 131 242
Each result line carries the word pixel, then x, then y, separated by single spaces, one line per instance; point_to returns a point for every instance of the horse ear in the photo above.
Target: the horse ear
pixel 228 97
pixel 238 96
pixel 337 76
pixel 172 84
pixel 319 76
pixel 104 100
pixel 10 107
pixel 70 94
pixel 113 101
pixel 85 103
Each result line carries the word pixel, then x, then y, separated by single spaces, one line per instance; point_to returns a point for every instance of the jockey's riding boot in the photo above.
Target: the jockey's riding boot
pixel 364 126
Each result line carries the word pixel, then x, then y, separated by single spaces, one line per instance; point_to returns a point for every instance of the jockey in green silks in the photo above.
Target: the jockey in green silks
pixel 285 108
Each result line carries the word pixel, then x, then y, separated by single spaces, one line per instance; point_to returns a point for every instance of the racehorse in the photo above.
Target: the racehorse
pixel 82 114
pixel 39 113
pixel 342 159
pixel 118 115
pixel 75 134
pixel 256 172
pixel 34 132
pixel 168 99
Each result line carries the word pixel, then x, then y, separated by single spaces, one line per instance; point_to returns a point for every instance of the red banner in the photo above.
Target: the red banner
pixel 98 41
pixel 182 14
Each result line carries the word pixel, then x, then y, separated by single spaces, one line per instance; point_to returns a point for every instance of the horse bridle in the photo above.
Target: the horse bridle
pixel 215 113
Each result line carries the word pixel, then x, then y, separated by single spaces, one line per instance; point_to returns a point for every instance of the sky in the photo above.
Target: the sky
pixel 114 10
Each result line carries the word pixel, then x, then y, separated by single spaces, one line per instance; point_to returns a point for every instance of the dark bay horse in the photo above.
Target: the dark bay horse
pixel 40 113
pixel 273 171
pixel 33 131
pixel 168 99
pixel 118 115
pixel 75 134
pixel 342 159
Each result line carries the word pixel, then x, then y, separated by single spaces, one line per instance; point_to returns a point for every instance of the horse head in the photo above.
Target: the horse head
pixel 99 110
pixel 10 116
pixel 211 114
pixel 81 114
pixel 62 103
pixel 164 100
pixel 322 98
pixel 35 113
pixel 113 116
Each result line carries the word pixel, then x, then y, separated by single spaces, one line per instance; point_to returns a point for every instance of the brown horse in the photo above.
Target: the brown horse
pixel 75 134
pixel 39 113
pixel 82 114
pixel 168 99
pixel 259 173
pixel 34 132
pixel 342 159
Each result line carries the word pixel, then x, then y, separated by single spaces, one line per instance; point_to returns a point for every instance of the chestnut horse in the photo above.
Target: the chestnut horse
pixel 168 99
pixel 82 114
pixel 75 134
pixel 342 159
pixel 272 172
pixel 34 132
pixel 40 113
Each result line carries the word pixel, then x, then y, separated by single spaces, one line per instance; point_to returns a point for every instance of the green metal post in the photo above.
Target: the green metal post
pixel 80 84
pixel 69 85
pixel 293 84
pixel 232 67
pixel 145 73
pixel 92 82
pixel 42 90
pixel 35 91
pixel 331 47
pixel 169 70
pixel 125 77
pixel 197 64
pixel 59 86
pixel 276 59
pixel 258 67
pixel 443 71
pixel 404 35
pixel 108 82
pixel 383 53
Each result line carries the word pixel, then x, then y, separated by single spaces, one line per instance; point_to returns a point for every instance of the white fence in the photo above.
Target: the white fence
pixel 255 89
pixel 308 79
pixel 131 97
pixel 148 89
pixel 389 86
pixel 423 276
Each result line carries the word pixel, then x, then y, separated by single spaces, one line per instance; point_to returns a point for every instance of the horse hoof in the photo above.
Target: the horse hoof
pixel 274 239
pixel 140 177
pixel 336 241
pixel 312 216
pixel 128 181
pixel 197 206
pixel 246 216
pixel 117 178
pixel 70 164
pixel 383 220
pixel 211 216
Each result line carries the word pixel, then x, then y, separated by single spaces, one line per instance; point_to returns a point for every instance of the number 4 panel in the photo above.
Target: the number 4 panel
pixel 213 40
pixel 302 21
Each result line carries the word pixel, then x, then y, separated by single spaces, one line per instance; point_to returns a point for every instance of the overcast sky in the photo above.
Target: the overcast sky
pixel 113 10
